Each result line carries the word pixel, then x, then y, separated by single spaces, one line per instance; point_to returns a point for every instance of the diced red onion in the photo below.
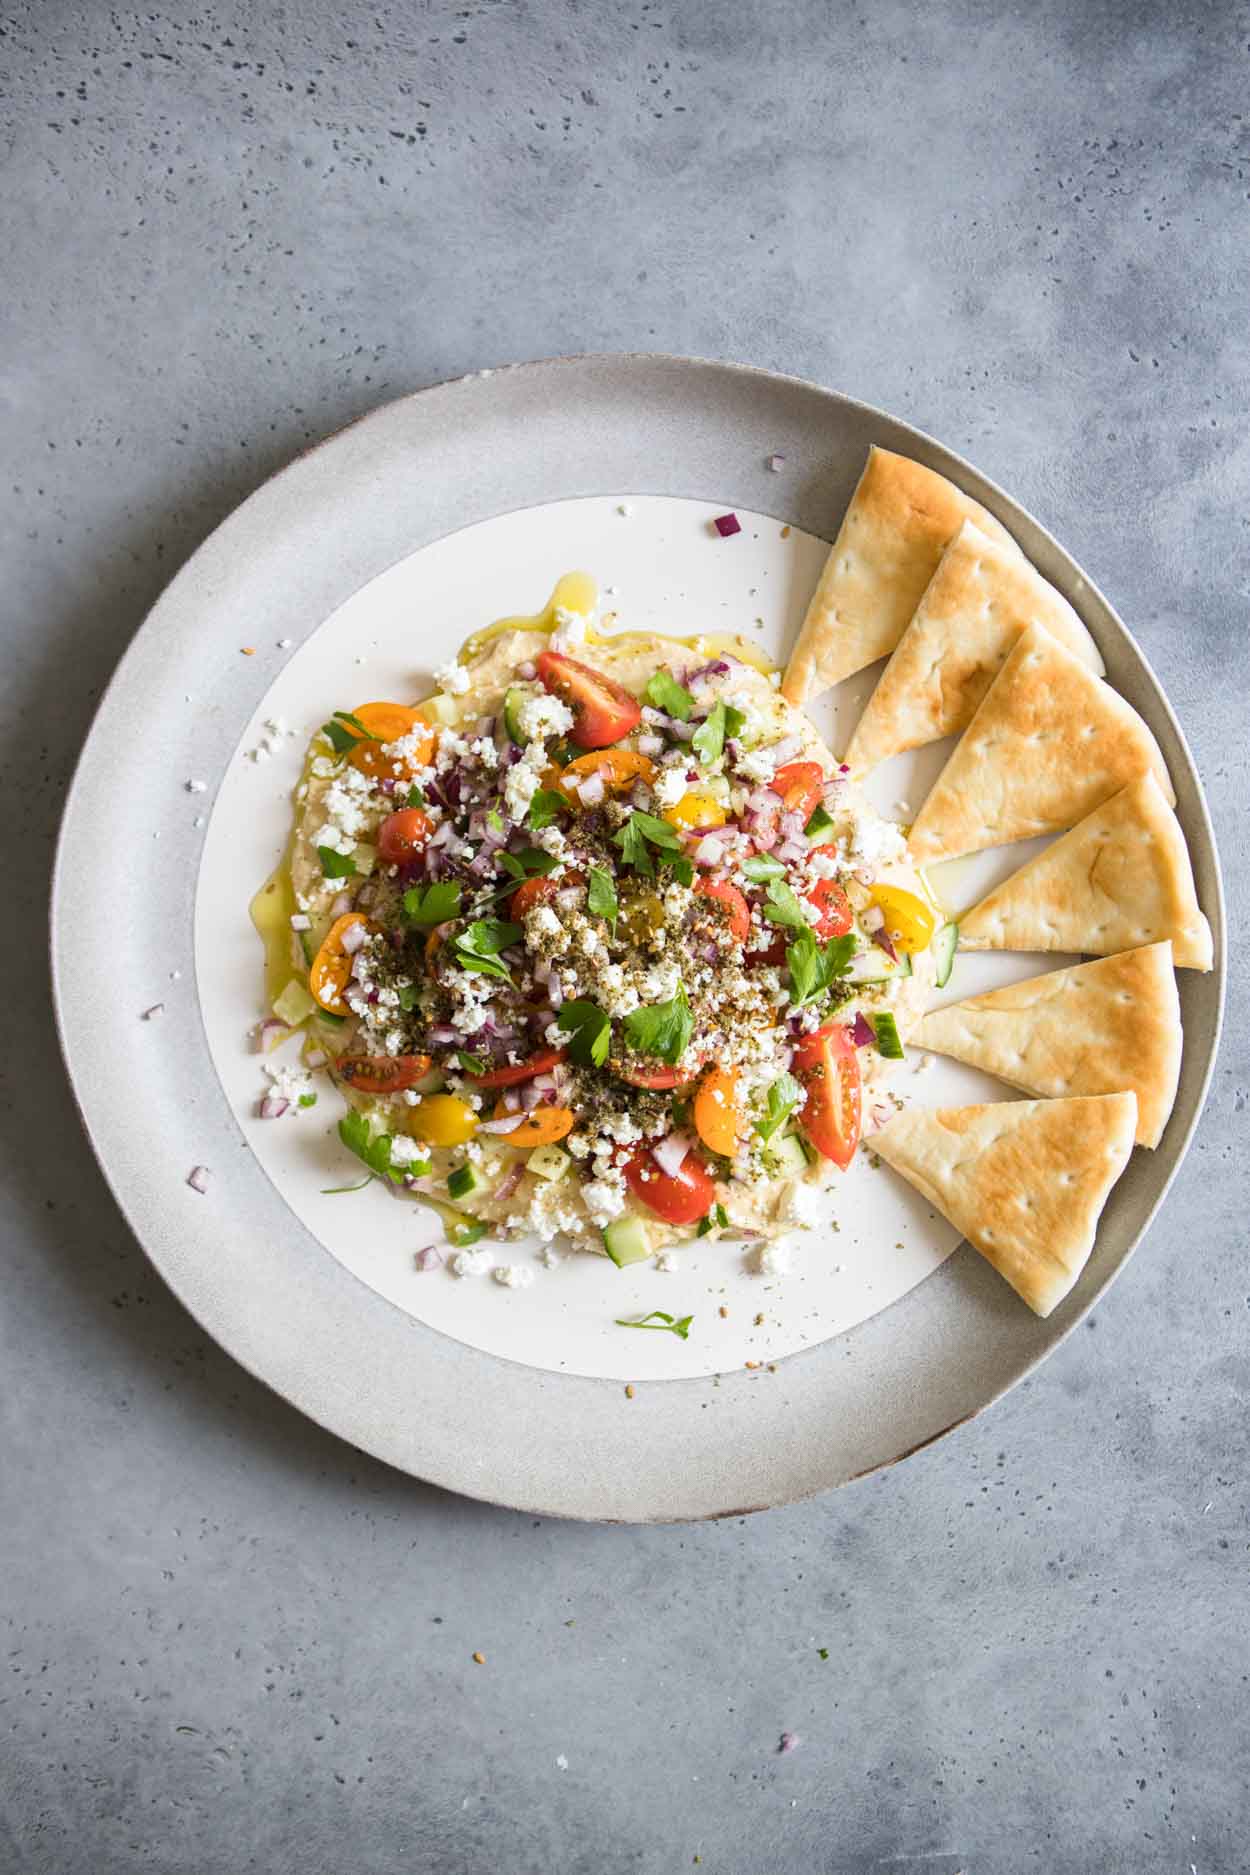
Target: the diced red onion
pixel 545 1083
pixel 267 1033
pixel 591 791
pixel 341 905
pixel 882 938
pixel 670 1153
pixel 531 1097
pixel 764 801
pixel 791 826
pixel 709 851
pixel 873 919
pixel 650 745
pixel 555 994
pixel 510 1180
pixel 354 939
pixel 790 1741
pixel 315 1058
pixel 443 1033
pixel 484 726
pixel 512 1099
pixel 527 670
pixel 862 1033
pixel 719 667
pixel 197 1178
pixel 507 1123
pixel 727 524
pixel 273 1106
pixel 776 463
pixel 790 851
pixel 431 1258
pixel 441 834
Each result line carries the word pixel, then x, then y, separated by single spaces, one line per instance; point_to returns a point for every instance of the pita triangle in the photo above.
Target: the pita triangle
pixel 1120 878
pixel 1049 743
pixel 1024 1180
pixel 982 596
pixel 888 546
pixel 1102 1028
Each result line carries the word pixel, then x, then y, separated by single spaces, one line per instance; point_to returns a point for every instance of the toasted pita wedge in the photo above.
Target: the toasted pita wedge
pixel 1119 879
pixel 888 546
pixel 981 598
pixel 1099 1028
pixel 1024 1180
pixel 1049 743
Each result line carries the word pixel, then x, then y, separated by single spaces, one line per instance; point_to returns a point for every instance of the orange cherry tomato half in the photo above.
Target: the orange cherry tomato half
pixel 682 1197
pixel 736 907
pixel 386 723
pixel 541 1063
pixel 618 768
pixel 800 785
pixel 543 1127
pixel 332 966
pixel 827 1066
pixel 603 710
pixel 403 835
pixel 382 1074
pixel 717 1115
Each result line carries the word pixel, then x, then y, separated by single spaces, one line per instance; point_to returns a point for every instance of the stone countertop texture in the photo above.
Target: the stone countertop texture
pixel 230 1642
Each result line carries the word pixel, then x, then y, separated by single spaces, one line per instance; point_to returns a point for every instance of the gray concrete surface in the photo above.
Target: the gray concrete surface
pixel 232 1644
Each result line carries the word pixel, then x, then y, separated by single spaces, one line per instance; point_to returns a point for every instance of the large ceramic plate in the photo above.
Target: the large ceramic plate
pixel 351 575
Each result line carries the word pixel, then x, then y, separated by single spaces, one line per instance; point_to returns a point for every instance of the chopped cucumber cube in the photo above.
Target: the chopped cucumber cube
pixel 549 1162
pixel 517 694
pixel 889 1042
pixel 295 1004
pixel 366 858
pixel 439 709
pixel 464 1182
pixel 786 1157
pixel 627 1240
pixel 944 947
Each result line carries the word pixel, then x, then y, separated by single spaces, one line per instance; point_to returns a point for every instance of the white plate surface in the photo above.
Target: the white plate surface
pixel 376 555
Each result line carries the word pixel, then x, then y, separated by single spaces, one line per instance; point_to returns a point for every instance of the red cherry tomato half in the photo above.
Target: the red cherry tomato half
pixel 830 900
pixel 682 1197
pixel 403 835
pixel 658 1080
pixel 382 1074
pixel 526 896
pixel 828 1067
pixel 603 711
pixel 735 905
pixel 523 1071
pixel 800 785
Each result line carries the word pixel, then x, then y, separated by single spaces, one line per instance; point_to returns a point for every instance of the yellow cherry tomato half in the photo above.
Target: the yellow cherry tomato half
pixel 909 922
pixel 443 1120
pixel 717 1115
pixel 697 809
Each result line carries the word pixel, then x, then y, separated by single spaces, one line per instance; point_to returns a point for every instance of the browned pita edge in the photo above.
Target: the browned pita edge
pixel 1049 743
pixel 1119 879
pixel 980 599
pixel 888 546
pixel 1105 1027
pixel 1024 1180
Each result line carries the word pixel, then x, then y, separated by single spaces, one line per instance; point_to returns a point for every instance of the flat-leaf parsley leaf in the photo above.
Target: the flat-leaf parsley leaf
pixel 663 1029
pixel 663 1323
pixel 601 896
pixel 431 904
pixel 664 692
pixel 814 967
pixel 590 1032
pixel 335 865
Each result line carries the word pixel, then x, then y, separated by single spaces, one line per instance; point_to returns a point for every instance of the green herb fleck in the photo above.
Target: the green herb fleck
pixel 407 994
pixel 663 1029
pixel 664 1324
pixel 708 741
pixel 823 1652
pixel 634 836
pixel 462 1235
pixel 494 820
pixel 590 1032
pixel 601 899
pixel 682 869
pixel 716 1219
pixel 544 807
pixel 783 906
pixel 335 865
pixel 373 1149
pixel 472 1064
pixel 335 1191
pixel 308 1100
pixel 814 967
pixel 344 731
pixel 415 796
pixel 782 1098
pixel 431 904
pixel 664 692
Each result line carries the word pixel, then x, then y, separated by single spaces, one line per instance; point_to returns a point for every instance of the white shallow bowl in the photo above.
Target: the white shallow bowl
pixel 375 555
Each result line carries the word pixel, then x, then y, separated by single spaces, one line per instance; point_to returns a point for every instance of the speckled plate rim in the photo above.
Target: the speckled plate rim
pixel 409 473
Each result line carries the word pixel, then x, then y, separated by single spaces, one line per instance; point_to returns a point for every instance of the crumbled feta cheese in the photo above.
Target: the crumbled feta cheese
pixel 757 764
pixel 668 1261
pixel 670 784
pixel 523 781
pixel 405 1152
pixel 453 678
pixel 771 1259
pixel 513 1275
pixel 472 1262
pixel 541 716
pixel 604 1198
pixel 877 842
pixel 549 1256
pixel 570 629
pixel 803 1206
